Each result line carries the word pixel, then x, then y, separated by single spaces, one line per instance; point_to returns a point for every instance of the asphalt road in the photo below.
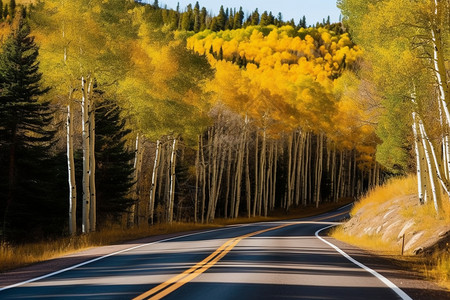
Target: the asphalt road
pixel 276 260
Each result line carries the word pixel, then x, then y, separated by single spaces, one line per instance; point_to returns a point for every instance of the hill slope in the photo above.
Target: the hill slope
pixel 390 217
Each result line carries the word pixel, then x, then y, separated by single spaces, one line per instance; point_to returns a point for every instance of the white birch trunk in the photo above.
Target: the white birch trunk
pixel 227 194
pixel 197 180
pixel 203 179
pixel 71 173
pixel 262 172
pixel 289 181
pixel 239 171
pixel 255 197
pixel 418 160
pixel 173 159
pixel 430 167
pixel 93 208
pixel 319 167
pixel 85 107
pixel 132 212
pixel 154 180
pixel 274 180
pixel 247 181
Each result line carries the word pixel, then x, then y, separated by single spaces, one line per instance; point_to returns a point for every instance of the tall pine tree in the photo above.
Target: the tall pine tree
pixel 25 141
pixel 114 170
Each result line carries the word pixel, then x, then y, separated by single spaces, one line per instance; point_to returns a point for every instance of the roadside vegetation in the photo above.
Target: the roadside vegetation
pixel 15 256
pixel 433 263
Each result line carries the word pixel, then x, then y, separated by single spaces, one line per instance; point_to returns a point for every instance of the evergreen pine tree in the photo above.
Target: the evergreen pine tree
pixel 221 19
pixel 238 19
pixel 203 16
pixel 25 142
pixel 264 19
pixel 197 17
pixel 271 18
pixel 220 53
pixel 255 17
pixel 279 20
pixel 114 170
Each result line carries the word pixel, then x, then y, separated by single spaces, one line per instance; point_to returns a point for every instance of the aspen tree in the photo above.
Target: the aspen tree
pixel 173 159
pixel 154 181
pixel 85 109
pixel 71 173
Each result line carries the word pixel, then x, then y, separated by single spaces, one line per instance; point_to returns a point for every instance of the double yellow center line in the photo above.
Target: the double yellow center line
pixel 177 281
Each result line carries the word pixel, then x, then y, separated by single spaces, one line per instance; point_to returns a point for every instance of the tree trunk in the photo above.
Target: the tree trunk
pixel 319 167
pixel 93 208
pixel 173 160
pixel 214 158
pixel 204 179
pixel 71 172
pixel 197 179
pixel 262 173
pixel 255 197
pixel 274 181
pixel 239 171
pixel 85 108
pixel 154 180
pixel 440 69
pixel 227 194
pixel 289 180
pixel 431 173
pixel 248 187
pixel 333 173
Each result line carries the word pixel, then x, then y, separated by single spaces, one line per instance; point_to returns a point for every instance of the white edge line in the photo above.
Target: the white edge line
pixel 383 279
pixel 111 254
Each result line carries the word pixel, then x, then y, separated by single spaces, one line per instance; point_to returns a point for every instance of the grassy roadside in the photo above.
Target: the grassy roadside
pixel 435 266
pixel 12 257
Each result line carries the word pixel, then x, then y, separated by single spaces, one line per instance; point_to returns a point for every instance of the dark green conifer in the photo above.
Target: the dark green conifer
pixel 238 19
pixel 221 19
pixel 114 169
pixel 197 20
pixel 26 175
pixel 203 16
pixel 255 17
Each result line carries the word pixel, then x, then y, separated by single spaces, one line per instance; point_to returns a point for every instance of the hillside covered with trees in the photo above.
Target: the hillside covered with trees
pixel 122 112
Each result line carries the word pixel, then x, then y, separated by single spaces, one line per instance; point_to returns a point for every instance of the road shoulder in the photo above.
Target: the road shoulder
pixel 412 283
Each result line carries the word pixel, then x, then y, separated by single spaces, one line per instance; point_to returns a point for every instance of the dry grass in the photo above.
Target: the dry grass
pixel 17 256
pixel 394 188
pixel 435 267
pixel 369 242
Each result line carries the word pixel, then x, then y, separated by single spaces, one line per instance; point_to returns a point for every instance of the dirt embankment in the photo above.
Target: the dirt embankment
pixel 401 221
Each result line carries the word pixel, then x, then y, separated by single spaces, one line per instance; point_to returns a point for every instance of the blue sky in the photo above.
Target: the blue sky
pixel 314 10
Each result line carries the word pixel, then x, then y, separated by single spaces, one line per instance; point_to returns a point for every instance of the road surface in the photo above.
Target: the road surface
pixel 274 260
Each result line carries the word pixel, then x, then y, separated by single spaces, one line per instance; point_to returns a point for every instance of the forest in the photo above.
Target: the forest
pixel 122 112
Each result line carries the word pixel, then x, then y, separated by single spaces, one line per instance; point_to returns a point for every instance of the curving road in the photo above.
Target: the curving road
pixel 275 260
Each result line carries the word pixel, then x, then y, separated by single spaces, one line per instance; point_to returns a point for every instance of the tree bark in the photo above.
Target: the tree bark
pixel 173 160
pixel 154 180
pixel 431 174
pixel 85 108
pixel 92 189
pixel 71 172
